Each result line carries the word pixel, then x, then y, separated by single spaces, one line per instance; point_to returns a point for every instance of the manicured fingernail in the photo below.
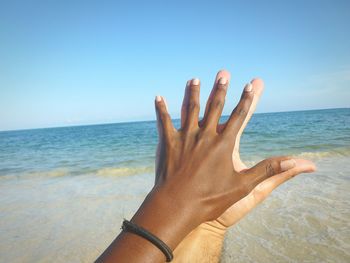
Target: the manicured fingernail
pixel 248 87
pixel 158 98
pixel 195 82
pixel 222 81
pixel 287 164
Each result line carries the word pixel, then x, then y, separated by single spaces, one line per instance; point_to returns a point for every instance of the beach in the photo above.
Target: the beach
pixel 65 191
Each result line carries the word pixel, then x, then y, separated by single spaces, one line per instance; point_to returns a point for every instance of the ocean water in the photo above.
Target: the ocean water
pixel 64 191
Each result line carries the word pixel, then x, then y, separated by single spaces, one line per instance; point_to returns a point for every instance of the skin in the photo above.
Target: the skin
pixel 204 244
pixel 196 178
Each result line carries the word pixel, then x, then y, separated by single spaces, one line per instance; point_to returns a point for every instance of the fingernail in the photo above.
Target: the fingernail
pixel 222 81
pixel 195 82
pixel 248 87
pixel 188 83
pixel 158 98
pixel 287 164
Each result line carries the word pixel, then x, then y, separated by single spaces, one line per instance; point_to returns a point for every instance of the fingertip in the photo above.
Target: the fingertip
pixel 306 166
pixel 287 164
pixel 223 73
pixel 257 82
pixel 258 85
pixel 158 98
pixel 313 168
pixel 195 82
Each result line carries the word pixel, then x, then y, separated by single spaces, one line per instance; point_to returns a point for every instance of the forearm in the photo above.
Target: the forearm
pixel 204 244
pixel 161 216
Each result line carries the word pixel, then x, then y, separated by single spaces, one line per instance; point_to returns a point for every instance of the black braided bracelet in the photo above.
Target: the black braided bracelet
pixel 133 228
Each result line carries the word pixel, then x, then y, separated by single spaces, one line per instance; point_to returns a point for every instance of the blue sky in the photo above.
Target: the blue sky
pixel 83 62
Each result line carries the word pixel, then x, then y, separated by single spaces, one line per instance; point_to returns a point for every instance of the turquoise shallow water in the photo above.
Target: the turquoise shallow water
pixel 65 191
pixel 129 148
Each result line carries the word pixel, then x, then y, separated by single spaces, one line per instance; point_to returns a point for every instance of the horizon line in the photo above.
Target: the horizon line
pixel 135 121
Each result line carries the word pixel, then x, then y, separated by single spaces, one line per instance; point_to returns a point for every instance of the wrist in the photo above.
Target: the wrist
pixel 165 217
pixel 203 244
pixel 213 228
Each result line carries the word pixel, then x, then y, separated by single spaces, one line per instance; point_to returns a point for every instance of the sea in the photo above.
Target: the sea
pixel 65 191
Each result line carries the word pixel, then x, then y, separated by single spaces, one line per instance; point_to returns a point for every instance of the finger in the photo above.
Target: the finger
pixel 164 123
pixel 216 105
pixel 166 104
pixel 184 106
pixel 265 169
pixel 192 104
pixel 257 90
pixel 262 190
pixel 239 114
pixel 221 74
pixel 159 123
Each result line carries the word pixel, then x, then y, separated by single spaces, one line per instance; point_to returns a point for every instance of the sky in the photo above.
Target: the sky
pixel 85 62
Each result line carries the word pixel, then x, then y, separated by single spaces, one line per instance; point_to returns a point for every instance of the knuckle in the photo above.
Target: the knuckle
pixel 161 107
pixel 245 186
pixel 247 99
pixel 241 112
pixel 269 170
pixel 246 106
pixel 193 105
pixel 203 138
pixel 272 167
pixel 218 104
pixel 243 108
pixel 258 194
pixel 194 88
pixel 221 88
pixel 248 96
pixel 170 142
pixel 164 115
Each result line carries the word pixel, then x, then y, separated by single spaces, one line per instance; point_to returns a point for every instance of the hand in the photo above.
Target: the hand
pixel 194 164
pixel 196 180
pixel 190 249
pixel 261 191
pixel 188 160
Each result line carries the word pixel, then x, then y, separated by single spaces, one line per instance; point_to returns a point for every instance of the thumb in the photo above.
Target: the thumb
pixel 302 166
pixel 284 166
pixel 262 190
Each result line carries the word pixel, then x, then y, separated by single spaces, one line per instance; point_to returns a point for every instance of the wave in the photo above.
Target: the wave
pixel 105 171
pixel 52 173
pixel 340 152
pixel 127 171
pixel 124 171
pixel 60 172
pixel 136 170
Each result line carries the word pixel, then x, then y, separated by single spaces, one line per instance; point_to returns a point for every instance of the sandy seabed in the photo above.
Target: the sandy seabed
pixel 74 218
